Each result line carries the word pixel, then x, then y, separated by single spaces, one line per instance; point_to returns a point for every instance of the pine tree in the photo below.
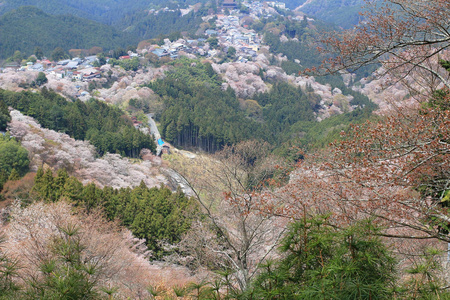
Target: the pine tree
pixel 66 274
pixel 59 183
pixel 321 262
pixel 5 117
pixel 44 186
pixel 73 189
pixel 14 175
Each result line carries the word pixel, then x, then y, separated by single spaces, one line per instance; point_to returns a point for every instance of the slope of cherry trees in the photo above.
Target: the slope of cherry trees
pixel 58 150
pixel 246 79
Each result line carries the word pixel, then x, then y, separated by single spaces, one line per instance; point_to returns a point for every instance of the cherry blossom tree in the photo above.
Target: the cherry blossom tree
pixel 394 170
pixel 407 36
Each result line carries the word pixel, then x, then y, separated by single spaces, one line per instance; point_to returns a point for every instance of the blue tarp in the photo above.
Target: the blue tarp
pixel 160 142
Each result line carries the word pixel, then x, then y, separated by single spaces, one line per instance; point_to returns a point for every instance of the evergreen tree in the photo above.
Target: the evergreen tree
pixel 38 52
pixel 12 155
pixel 58 54
pixel 65 274
pixel 41 79
pixel 14 175
pixel 17 57
pixel 5 117
pixel 59 183
pixel 48 191
pixel 72 189
pixel 321 262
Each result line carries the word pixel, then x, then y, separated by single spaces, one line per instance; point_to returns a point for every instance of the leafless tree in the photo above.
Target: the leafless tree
pixel 236 235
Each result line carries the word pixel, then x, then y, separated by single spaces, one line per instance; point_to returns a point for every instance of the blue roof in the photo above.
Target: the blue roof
pixel 160 142
pixel 159 52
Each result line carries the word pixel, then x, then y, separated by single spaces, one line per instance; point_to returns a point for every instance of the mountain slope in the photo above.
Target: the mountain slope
pixel 28 27
pixel 343 13
pixel 104 11
pixel 146 26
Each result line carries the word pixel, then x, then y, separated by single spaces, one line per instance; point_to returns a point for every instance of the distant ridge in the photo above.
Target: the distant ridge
pixel 344 13
pixel 28 27
pixel 104 11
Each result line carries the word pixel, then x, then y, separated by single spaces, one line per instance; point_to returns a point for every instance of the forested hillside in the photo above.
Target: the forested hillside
pixel 26 28
pixel 65 24
pixel 344 13
pixel 199 113
pixel 104 11
pixel 146 26
pixel 297 185
pixel 105 126
pixel 154 214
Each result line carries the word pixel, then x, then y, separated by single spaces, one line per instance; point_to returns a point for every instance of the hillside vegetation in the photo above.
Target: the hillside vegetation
pixel 104 11
pixel 344 13
pixel 147 26
pixel 199 113
pixel 106 127
pixel 26 28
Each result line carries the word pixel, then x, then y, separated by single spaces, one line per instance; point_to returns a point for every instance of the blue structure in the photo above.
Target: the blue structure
pixel 160 142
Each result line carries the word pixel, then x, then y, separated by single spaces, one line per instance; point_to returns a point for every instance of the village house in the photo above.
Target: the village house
pixel 229 4
pixel 77 75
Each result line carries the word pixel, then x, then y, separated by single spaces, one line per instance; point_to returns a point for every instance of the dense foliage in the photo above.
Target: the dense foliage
pixel 127 64
pixel 359 100
pixel 321 262
pixel 26 28
pixel 146 26
pixel 104 11
pixel 13 159
pixel 344 13
pixel 198 112
pixel 5 117
pixel 289 112
pixel 293 50
pixel 284 105
pixel 105 126
pixel 155 214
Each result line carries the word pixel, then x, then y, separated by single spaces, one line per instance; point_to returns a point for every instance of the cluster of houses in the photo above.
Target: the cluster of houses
pixel 77 68
pixel 171 49
pixel 231 31
pixel 263 9
pixel 277 4
pixel 231 34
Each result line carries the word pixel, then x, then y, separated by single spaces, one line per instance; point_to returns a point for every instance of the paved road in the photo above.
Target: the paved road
pixel 153 129
pixel 176 178
pixel 155 132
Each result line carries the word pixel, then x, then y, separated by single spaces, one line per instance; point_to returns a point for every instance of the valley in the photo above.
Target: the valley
pixel 188 150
